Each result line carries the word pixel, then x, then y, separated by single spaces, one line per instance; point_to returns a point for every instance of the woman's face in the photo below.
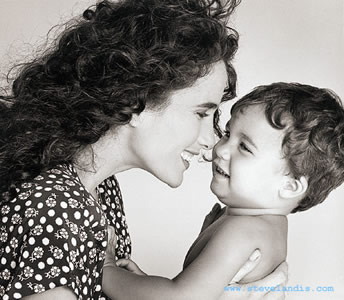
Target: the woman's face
pixel 164 142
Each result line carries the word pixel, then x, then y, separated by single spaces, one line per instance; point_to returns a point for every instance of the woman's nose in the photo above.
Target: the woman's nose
pixel 207 135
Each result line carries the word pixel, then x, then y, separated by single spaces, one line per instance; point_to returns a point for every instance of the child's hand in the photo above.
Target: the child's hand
pixel 130 266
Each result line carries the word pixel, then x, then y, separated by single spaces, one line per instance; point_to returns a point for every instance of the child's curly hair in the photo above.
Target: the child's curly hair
pixel 312 120
pixel 121 58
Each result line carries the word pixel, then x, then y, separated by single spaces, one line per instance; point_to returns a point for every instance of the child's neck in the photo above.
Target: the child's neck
pixel 240 211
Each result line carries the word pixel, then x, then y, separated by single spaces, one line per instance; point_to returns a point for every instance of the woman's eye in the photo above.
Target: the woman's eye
pixel 202 115
pixel 244 147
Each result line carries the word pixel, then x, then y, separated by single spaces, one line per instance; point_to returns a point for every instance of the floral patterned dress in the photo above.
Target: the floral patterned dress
pixel 55 234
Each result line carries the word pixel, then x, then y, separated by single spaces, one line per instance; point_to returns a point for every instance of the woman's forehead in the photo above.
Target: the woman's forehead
pixel 206 92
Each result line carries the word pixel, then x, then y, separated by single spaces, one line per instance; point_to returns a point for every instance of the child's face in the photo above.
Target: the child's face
pixel 248 169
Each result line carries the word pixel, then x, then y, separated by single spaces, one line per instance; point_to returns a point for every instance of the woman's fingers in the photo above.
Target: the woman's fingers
pixel 274 296
pixel 271 285
pixel 277 277
pixel 250 264
pixel 268 288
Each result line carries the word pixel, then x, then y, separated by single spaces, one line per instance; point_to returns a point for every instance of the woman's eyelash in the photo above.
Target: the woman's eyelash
pixel 202 114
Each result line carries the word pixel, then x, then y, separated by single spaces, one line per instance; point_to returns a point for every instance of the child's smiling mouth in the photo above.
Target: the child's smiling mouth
pixel 221 172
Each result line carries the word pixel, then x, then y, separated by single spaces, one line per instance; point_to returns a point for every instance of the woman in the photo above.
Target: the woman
pixel 136 84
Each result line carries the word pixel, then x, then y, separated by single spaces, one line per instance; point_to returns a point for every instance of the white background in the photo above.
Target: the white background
pixel 280 40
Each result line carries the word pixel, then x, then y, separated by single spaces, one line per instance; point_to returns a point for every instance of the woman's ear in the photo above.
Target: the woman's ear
pixel 135 120
pixel 294 188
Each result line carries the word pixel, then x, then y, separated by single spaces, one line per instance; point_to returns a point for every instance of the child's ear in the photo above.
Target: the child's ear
pixel 294 188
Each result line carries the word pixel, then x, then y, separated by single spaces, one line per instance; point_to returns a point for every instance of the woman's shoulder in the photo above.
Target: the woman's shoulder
pixel 110 195
pixel 57 177
pixel 58 181
pixel 111 186
pixel 53 203
pixel 51 192
pixel 58 233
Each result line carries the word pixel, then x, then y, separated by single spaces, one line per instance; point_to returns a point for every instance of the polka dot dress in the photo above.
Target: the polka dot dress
pixel 55 234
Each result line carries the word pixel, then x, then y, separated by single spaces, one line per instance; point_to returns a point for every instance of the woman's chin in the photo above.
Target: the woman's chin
pixel 173 181
pixel 174 184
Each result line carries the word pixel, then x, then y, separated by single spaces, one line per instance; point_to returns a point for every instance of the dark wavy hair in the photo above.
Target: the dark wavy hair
pixel 119 59
pixel 312 120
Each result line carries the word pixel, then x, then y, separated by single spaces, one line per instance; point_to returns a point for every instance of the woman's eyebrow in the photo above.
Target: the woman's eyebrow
pixel 208 105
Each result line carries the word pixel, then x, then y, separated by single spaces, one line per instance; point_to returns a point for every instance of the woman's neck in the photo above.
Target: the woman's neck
pixel 107 157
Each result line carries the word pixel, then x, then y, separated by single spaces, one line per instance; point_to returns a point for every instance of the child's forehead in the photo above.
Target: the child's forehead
pixel 252 121
pixel 248 113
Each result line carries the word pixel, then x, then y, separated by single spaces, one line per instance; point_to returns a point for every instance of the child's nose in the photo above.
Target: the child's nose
pixel 222 150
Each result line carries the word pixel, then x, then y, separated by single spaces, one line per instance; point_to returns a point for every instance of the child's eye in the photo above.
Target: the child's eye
pixel 244 147
pixel 227 133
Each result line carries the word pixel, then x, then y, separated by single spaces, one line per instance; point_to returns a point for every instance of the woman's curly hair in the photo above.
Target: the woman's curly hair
pixel 119 59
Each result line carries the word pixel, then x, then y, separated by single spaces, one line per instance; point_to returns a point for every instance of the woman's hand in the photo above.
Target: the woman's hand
pixel 252 262
pixel 251 291
pixel 129 265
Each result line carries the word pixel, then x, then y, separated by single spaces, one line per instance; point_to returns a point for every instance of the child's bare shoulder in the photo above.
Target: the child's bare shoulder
pixel 266 233
pixel 255 229
pixel 248 224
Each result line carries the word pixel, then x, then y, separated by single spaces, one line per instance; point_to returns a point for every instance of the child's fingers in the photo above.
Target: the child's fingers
pixel 129 265
pixel 123 263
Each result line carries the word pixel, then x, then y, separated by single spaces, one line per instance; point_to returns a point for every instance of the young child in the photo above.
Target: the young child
pixel 283 152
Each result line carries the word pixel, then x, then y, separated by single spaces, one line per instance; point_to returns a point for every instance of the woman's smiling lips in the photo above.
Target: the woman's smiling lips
pixel 187 157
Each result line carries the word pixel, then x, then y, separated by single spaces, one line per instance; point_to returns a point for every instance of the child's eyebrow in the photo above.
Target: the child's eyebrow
pixel 248 139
